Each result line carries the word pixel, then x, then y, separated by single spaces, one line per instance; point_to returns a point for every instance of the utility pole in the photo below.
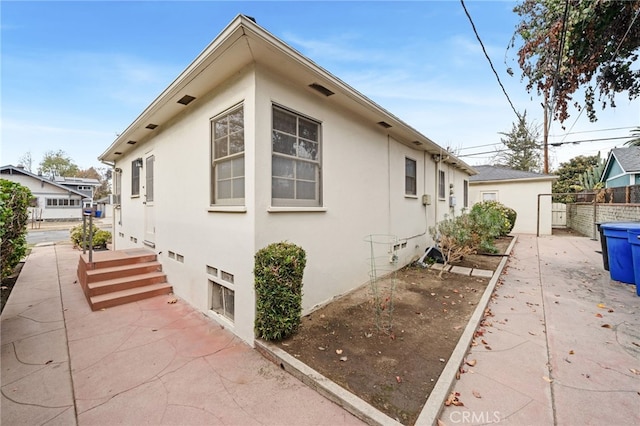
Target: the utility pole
pixel 546 136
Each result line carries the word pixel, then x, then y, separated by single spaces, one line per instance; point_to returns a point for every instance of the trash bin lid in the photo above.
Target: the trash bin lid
pixel 623 226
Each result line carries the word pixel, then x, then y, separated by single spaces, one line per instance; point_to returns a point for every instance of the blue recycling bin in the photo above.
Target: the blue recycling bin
pixel 619 250
pixel 633 235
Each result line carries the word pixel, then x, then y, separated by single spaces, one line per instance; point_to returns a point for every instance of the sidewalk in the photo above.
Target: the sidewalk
pixel 560 345
pixel 150 362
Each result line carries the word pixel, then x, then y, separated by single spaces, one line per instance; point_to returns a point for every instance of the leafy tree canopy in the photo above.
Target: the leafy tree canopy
pixel 57 163
pixel 522 149
pixel 635 134
pixel 598 41
pixel 569 174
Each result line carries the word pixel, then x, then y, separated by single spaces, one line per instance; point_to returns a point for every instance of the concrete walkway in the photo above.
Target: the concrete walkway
pixel 150 362
pixel 560 343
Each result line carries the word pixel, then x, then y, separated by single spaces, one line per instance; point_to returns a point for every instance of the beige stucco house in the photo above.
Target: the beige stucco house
pixel 253 144
pixel 528 193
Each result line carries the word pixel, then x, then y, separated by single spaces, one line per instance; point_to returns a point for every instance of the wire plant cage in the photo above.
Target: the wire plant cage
pixel 383 261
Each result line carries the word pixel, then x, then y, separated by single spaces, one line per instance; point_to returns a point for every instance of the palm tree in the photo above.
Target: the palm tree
pixel 636 138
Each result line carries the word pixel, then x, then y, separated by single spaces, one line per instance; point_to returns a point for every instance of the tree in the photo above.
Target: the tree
pixel 572 44
pixel 14 214
pixel 522 148
pixel 27 161
pixel 635 133
pixel 569 175
pixel 101 176
pixel 57 163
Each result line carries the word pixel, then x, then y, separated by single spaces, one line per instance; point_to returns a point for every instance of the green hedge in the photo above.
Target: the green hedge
pixel 278 271
pixel 100 236
pixel 14 215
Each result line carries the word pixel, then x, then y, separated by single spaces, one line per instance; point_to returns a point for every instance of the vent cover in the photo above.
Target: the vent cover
pixel 320 88
pixel 151 126
pixel 384 124
pixel 186 100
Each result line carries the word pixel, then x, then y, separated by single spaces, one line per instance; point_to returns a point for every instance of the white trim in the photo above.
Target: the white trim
pixel 226 209
pixel 273 209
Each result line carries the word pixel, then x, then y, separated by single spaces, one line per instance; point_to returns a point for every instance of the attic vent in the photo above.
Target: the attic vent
pixel 384 124
pixel 117 153
pixel 132 142
pixel 151 126
pixel 320 88
pixel 417 143
pixel 186 100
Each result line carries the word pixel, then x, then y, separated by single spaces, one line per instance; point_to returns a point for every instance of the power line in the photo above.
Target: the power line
pixel 489 59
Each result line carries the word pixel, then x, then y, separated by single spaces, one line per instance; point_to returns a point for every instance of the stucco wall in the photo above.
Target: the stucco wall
pixel 522 196
pixel 580 216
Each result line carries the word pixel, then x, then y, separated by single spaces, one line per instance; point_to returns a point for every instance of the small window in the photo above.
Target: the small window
pixel 441 185
pixel 222 300
pixel 227 134
pixel 117 187
pixel 465 196
pixel 410 176
pixel 489 196
pixel 295 160
pixel 135 177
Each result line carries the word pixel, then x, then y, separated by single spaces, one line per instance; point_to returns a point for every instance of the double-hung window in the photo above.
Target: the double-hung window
pixel 410 177
pixel 136 165
pixel 227 133
pixel 295 161
pixel 466 193
pixel 441 185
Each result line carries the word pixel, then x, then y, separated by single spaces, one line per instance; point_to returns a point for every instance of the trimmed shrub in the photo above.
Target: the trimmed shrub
pixel 278 271
pixel 14 214
pixel 498 215
pixel 455 238
pixel 100 236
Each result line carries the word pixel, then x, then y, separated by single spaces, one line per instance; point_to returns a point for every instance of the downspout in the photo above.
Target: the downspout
pixel 112 164
pixel 389 184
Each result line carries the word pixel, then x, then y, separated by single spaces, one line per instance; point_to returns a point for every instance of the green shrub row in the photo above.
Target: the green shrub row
pixel 278 272
pixel 100 236
pixel 14 215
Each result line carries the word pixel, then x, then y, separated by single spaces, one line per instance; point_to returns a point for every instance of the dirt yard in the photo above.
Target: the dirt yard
pixel 392 356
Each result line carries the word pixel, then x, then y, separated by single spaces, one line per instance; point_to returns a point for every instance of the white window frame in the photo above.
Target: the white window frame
pixel 297 159
pixel 485 193
pixel 136 167
pixel 232 159
pixel 411 192
pixel 223 311
pixel 442 187
pixel 465 193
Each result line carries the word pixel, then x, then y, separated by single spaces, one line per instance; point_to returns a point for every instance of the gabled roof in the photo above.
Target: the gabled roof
pixel 9 169
pixel 64 180
pixel 500 173
pixel 244 43
pixel 628 158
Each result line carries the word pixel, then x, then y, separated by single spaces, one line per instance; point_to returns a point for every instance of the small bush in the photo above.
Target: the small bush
pixel 279 268
pixel 14 214
pixel 497 215
pixel 455 237
pixel 100 236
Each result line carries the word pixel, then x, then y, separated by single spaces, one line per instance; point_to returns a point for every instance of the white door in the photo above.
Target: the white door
pixel 149 212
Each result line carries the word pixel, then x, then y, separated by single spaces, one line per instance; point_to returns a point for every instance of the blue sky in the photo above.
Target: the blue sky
pixel 74 74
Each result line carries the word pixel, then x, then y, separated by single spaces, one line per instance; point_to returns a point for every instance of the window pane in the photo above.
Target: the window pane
pixel 221 147
pixel 236 142
pixel 216 297
pixel 284 121
pixel 238 188
pixel 229 303
pixel 308 150
pixel 223 170
pixel 238 167
pixel 283 167
pixel 224 189
pixel 284 144
pixel 308 129
pixel 282 188
pixel 305 190
pixel 305 170
pixel 220 128
pixel 236 121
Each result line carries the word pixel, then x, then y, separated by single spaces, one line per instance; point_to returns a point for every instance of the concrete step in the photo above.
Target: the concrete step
pixel 109 300
pixel 122 271
pixel 125 283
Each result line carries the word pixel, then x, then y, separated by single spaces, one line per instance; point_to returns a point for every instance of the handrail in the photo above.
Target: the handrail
pixel 87 213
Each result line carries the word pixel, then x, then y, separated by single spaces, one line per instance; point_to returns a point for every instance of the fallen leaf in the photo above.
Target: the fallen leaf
pixel 532 333
pixel 571 352
pixel 599 315
pixel 487 347
pixel 471 362
pixel 172 301
pixel 634 371
pixel 452 399
pixel 321 348
pixel 601 305
pixel 442 360
pixel 484 342
pixel 398 379
pixel 610 310
pixel 48 362
pixel 338 351
pixel 441 423
pixel 343 358
pixel 476 394
pixel 546 379
pixel 606 326
pixel 457 327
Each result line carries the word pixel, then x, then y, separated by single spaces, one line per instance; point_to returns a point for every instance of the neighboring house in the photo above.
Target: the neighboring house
pixel 254 144
pixel 622 167
pixel 52 201
pixel 518 190
pixel 85 186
